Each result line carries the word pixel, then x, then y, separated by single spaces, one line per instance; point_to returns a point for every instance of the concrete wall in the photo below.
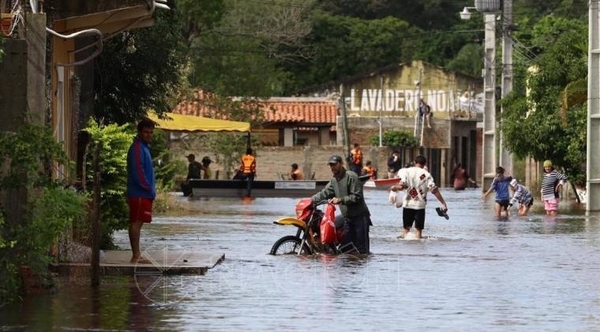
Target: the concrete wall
pixel 273 161
pixel 13 90
pixel 37 103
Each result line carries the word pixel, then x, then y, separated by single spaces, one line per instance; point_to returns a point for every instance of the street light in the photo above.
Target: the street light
pixel 491 8
pixel 488 73
pixel 466 13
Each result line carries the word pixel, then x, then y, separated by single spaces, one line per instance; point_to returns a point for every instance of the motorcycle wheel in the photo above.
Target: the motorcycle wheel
pixel 289 245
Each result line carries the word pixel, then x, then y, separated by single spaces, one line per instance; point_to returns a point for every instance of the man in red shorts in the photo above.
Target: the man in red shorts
pixel 141 186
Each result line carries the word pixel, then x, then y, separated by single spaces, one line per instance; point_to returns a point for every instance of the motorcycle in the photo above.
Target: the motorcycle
pixel 318 232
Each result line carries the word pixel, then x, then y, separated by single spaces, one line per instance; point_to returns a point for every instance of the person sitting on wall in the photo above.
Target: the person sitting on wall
pixel 425 112
pixel 296 174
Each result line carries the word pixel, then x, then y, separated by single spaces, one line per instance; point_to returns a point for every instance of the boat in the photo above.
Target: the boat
pixel 383 184
pixel 260 188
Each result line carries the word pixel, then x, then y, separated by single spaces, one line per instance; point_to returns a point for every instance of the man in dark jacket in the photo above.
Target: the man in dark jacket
pixel 346 190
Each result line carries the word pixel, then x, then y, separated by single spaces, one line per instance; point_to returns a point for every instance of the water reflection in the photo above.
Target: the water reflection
pixel 470 273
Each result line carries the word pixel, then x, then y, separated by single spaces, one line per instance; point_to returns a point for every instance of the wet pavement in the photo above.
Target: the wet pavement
pixel 470 273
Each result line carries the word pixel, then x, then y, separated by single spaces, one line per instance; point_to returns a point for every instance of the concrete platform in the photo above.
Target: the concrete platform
pixel 161 262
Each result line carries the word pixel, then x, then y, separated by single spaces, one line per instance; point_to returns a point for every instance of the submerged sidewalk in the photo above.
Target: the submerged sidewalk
pixel 164 262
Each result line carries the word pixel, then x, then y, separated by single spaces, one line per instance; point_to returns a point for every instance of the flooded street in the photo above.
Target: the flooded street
pixel 471 273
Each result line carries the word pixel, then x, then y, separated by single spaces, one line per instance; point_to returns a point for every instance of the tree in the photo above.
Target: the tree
pixel 346 46
pixel 139 70
pixel 424 14
pixel 243 55
pixel 562 60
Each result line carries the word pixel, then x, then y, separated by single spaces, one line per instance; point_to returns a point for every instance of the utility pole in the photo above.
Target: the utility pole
pixel 507 76
pixel 344 111
pixel 489 112
pixel 380 121
pixel 593 109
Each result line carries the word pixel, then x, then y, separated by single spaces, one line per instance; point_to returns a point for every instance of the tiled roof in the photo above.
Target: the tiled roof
pixel 303 110
pixel 310 110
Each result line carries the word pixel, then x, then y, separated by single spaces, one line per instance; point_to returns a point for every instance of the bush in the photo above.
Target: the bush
pixel 396 139
pixel 38 208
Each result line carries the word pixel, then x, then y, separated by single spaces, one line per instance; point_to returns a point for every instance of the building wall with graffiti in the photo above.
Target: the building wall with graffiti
pixel 388 99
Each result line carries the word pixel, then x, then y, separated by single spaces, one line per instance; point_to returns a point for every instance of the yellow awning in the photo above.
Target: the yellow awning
pixel 192 123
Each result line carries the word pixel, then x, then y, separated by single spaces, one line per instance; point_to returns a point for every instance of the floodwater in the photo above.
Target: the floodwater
pixel 471 273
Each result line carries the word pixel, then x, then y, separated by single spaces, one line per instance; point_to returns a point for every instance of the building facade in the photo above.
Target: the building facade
pixel 388 99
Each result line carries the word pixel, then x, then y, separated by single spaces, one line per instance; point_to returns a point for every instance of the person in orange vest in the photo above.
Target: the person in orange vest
pixel 356 159
pixel 369 170
pixel 248 169
pixel 295 174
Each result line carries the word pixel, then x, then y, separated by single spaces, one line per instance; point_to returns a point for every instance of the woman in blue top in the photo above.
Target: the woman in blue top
pixel 500 185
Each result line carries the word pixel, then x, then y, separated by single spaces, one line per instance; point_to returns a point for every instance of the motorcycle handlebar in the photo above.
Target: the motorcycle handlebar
pixel 323 202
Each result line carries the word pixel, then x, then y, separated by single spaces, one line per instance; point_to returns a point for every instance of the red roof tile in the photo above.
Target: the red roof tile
pixel 304 110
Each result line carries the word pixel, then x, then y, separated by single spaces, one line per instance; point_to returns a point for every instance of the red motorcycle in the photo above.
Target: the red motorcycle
pixel 318 232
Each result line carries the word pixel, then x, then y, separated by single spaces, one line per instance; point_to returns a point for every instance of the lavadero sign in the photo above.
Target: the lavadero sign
pixel 390 100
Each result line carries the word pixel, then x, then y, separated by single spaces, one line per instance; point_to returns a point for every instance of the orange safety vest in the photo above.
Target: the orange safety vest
pixel 357 157
pixel 370 171
pixel 248 164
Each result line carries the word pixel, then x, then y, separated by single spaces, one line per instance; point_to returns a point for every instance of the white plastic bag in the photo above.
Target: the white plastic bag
pixel 392 197
pixel 396 198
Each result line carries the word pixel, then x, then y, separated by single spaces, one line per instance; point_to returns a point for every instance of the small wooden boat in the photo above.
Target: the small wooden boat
pixel 260 188
pixel 383 184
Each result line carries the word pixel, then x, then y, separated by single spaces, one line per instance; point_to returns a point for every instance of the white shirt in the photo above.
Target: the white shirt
pixel 418 182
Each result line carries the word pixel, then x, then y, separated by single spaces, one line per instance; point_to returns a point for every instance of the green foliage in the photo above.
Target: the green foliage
pixel 397 139
pixel 346 46
pixel 227 148
pixel 425 14
pixel 574 160
pixel 165 166
pixel 53 210
pixel 114 141
pixel 139 70
pixel 463 62
pixel 562 61
pixel 235 66
pixel 38 207
pixel 244 54
pixel 199 14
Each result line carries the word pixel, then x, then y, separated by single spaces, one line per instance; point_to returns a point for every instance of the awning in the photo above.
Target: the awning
pixel 192 123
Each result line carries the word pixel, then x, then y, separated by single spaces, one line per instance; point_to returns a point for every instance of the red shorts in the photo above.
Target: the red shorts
pixel 140 209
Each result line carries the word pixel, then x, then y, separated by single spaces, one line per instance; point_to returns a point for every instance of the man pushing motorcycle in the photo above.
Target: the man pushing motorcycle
pixel 346 190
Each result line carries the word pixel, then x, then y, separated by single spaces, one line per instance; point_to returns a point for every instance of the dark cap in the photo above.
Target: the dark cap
pixel 206 159
pixel 334 159
pixel 191 155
